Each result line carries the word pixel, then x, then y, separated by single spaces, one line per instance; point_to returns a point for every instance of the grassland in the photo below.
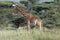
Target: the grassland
pixel 47 34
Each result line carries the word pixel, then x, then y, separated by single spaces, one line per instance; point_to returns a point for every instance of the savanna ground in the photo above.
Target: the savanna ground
pixel 23 34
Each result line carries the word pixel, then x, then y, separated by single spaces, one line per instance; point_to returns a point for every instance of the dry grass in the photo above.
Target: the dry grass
pixel 47 34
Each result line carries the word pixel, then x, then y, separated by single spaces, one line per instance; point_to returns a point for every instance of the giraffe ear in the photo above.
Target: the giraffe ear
pixel 14 5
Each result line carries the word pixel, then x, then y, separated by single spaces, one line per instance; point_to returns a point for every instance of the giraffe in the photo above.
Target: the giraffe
pixel 29 18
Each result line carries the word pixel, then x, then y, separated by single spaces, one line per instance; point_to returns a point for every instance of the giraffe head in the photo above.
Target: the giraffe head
pixel 13 5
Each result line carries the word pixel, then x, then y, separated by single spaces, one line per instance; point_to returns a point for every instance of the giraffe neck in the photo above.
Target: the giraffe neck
pixel 24 12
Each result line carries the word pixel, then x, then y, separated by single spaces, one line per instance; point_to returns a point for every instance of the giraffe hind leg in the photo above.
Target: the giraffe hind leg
pixel 39 24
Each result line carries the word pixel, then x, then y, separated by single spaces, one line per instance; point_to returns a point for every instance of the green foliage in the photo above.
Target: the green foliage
pixel 7 14
pixel 49 12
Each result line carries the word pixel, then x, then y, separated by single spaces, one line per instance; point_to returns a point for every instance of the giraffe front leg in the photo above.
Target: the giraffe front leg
pixel 39 23
pixel 28 26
